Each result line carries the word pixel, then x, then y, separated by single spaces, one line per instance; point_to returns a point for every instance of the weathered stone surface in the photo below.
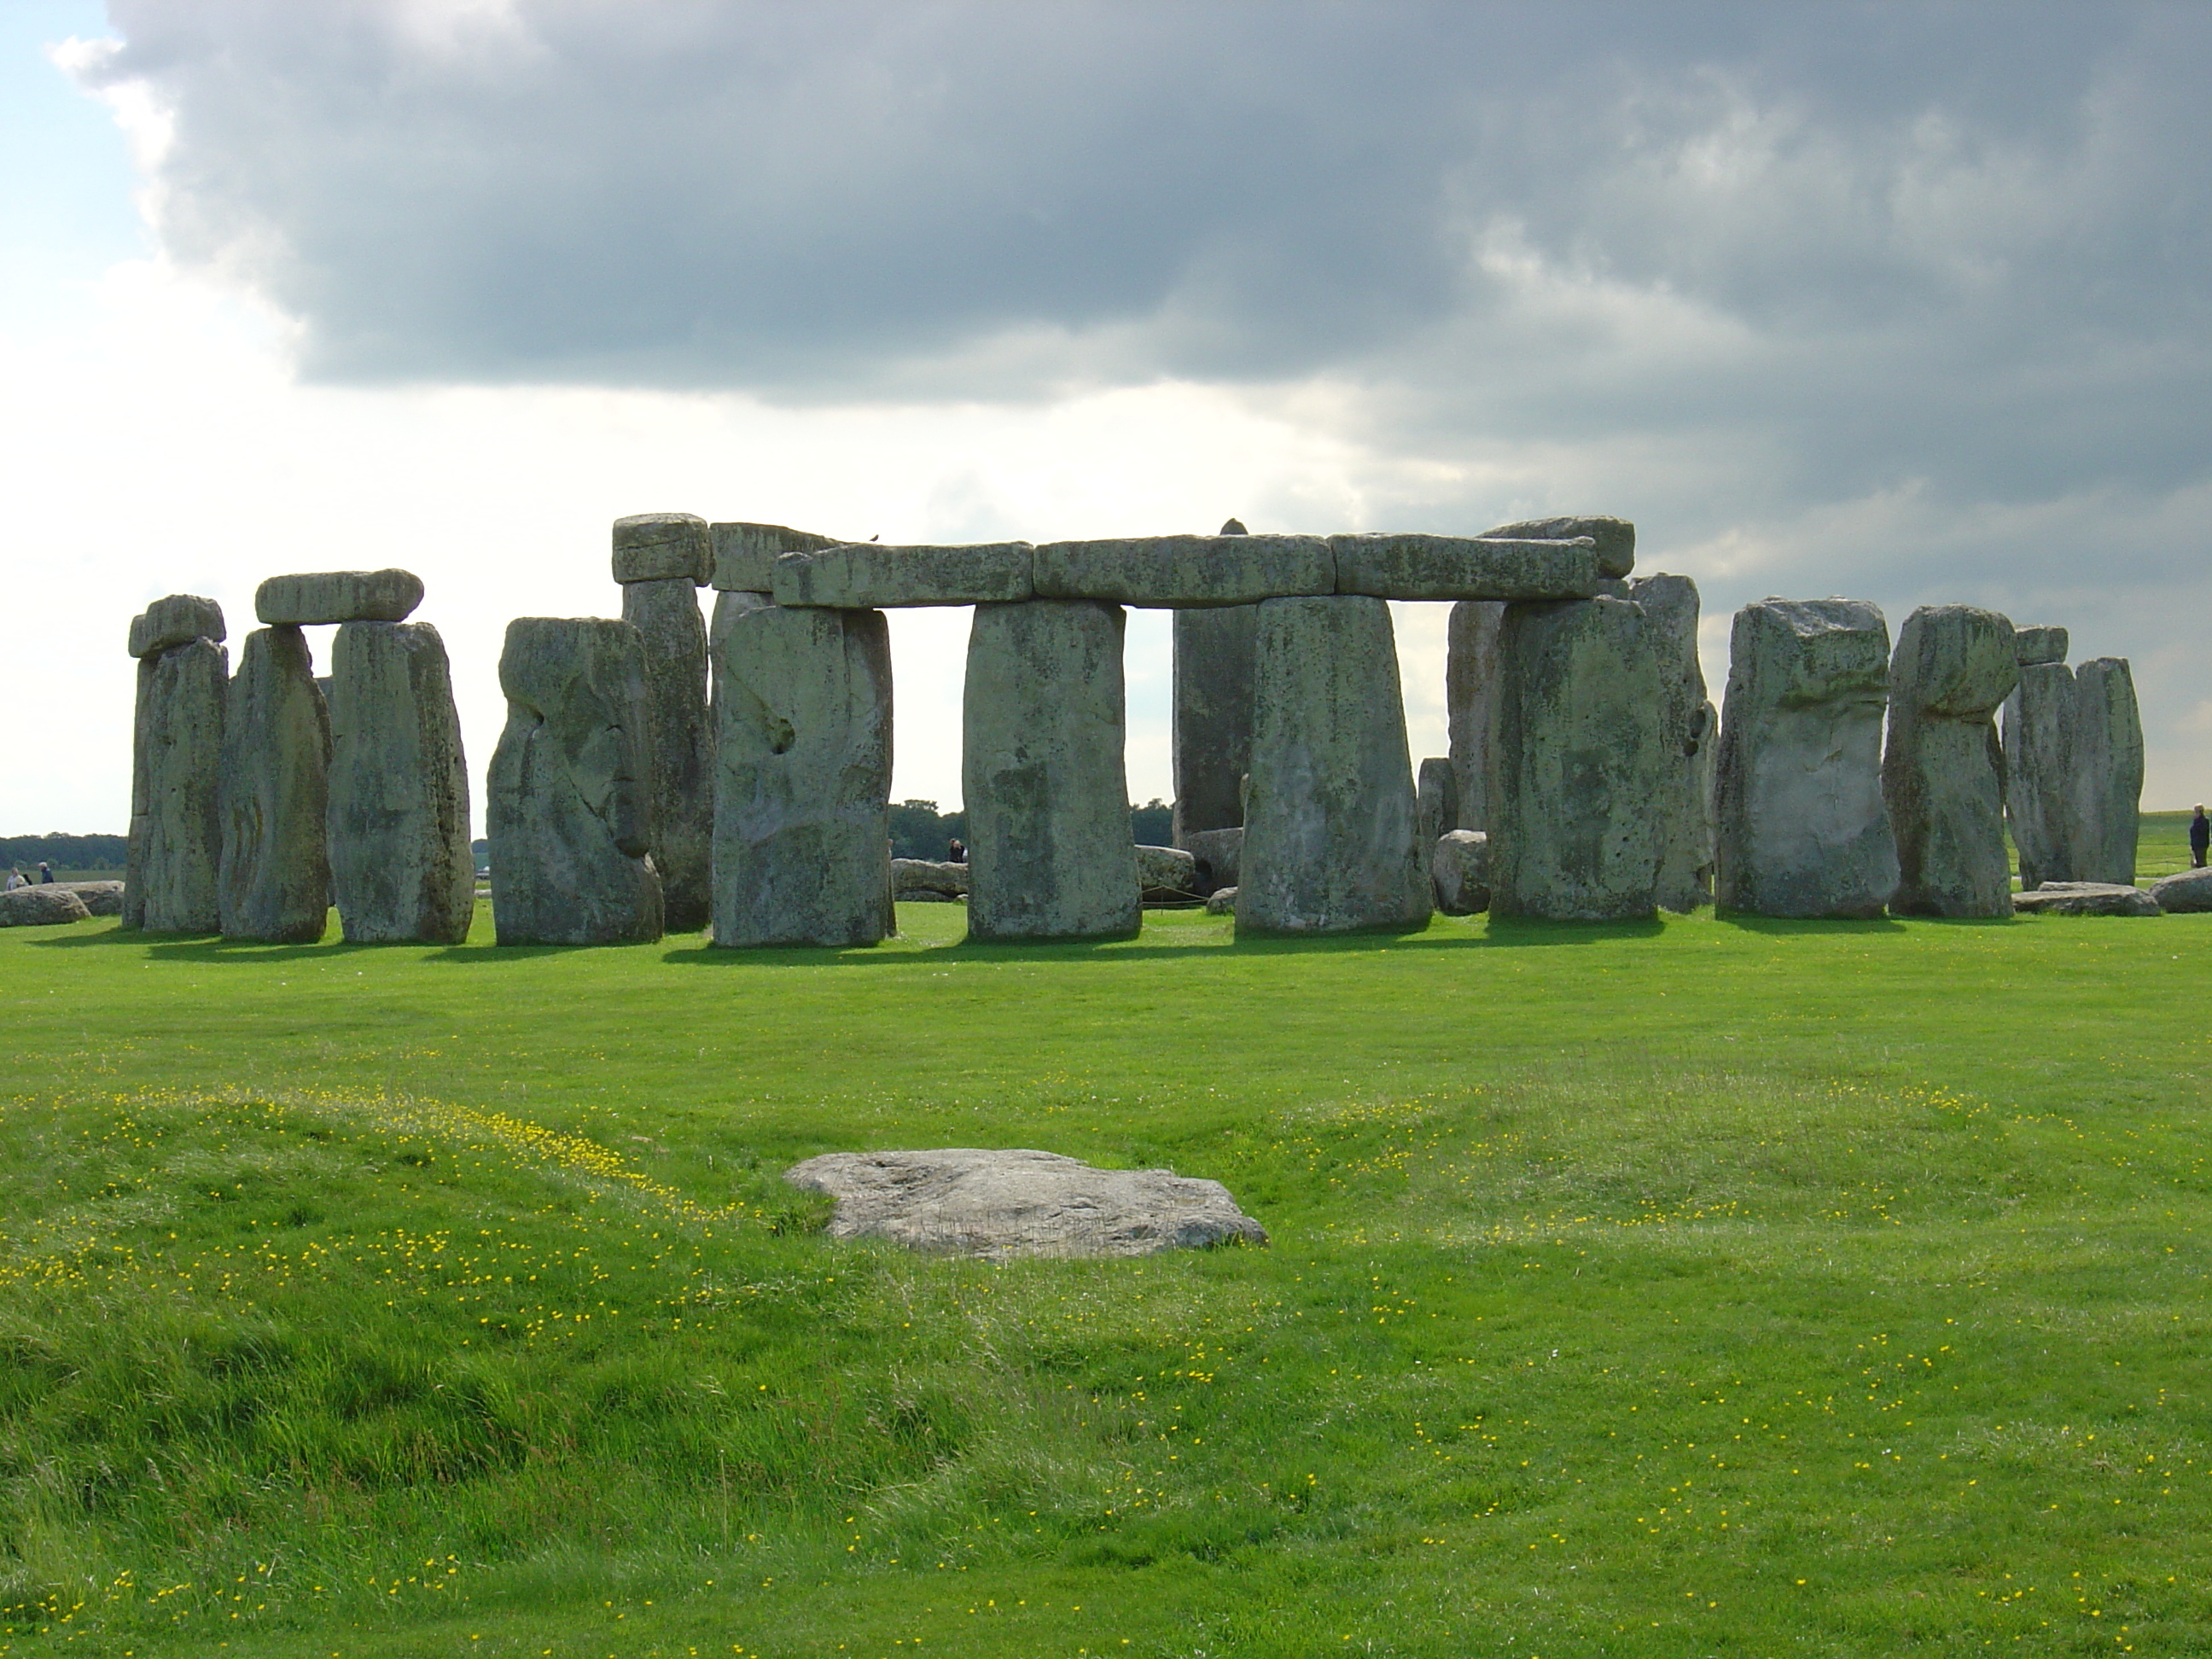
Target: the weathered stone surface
pixel 2039 645
pixel 681 743
pixel 911 877
pixel 45 904
pixel 2184 892
pixel 999 1204
pixel 570 812
pixel 1470 703
pixel 1942 765
pixel 663 547
pixel 101 898
pixel 1213 717
pixel 1436 795
pixel 2087 898
pixel 135 839
pixel 338 596
pixel 803 775
pixel 1422 566
pixel 745 554
pixel 1048 802
pixel 1615 538
pixel 1165 872
pixel 1802 828
pixel 1330 838
pixel 1575 764
pixel 1458 869
pixel 1221 902
pixel 865 576
pixel 1689 728
pixel 2038 755
pixel 400 866
pixel 178 844
pixel 1185 570
pixel 274 879
pixel 1218 852
pixel 2108 770
pixel 178 619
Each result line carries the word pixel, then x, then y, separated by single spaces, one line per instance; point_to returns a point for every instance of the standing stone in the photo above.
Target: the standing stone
pixel 142 799
pixel 1470 702
pixel 177 842
pixel 666 614
pixel 2108 770
pixel 1213 714
pixel 570 815
pixel 1942 766
pixel 1802 828
pixel 2038 781
pixel 1331 837
pixel 1047 798
pixel 275 880
pixel 1687 727
pixel 803 775
pixel 1458 869
pixel 1435 794
pixel 400 866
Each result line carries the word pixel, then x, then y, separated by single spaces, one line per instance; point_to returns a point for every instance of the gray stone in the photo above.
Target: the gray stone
pixel 1185 570
pixel 274 880
pixel 2038 781
pixel 1047 800
pixel 2087 898
pixel 1435 794
pixel 135 839
pixel 745 554
pixel 2184 892
pixel 915 878
pixel 1689 728
pixel 1000 1205
pixel 1470 703
pixel 1801 827
pixel 178 619
pixel 2108 770
pixel 803 775
pixel 663 547
pixel 1218 852
pixel 1422 566
pixel 338 596
pixel 1166 873
pixel 1213 717
pixel 1942 764
pixel 400 866
pixel 570 813
pixel 1221 902
pixel 1615 537
pixel 45 904
pixel 1330 839
pixel 101 898
pixel 666 614
pixel 2039 645
pixel 1458 869
pixel 866 576
pixel 178 840
pixel 1576 764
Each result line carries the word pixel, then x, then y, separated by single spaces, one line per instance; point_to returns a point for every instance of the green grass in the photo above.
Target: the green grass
pixel 1729 1288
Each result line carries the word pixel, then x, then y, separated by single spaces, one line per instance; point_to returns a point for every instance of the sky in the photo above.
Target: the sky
pixel 1905 303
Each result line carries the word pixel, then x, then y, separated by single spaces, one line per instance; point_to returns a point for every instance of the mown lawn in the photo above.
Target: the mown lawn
pixel 1705 1288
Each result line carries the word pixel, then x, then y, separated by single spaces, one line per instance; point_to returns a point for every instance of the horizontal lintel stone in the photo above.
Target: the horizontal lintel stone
pixel 662 547
pixel 745 554
pixel 338 596
pixel 1186 571
pixel 870 575
pixel 177 620
pixel 1422 566
pixel 1615 537
pixel 2038 645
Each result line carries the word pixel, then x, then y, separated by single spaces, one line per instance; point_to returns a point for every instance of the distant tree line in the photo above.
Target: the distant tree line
pixel 70 853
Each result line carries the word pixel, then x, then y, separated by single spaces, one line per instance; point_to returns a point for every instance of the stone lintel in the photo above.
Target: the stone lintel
pixel 870 575
pixel 1186 571
pixel 1425 567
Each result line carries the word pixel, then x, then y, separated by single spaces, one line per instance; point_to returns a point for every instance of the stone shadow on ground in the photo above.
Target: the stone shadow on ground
pixel 1785 924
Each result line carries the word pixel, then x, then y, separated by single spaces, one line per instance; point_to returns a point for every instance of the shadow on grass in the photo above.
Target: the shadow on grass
pixel 1787 924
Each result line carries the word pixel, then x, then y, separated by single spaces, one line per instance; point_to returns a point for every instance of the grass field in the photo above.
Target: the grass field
pixel 1710 1287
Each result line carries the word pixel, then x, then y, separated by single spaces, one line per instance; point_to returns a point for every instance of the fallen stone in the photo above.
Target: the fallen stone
pixel 1943 763
pixel 1470 703
pixel 1330 838
pixel 1576 764
pixel 1212 717
pixel 1218 852
pixel 2108 771
pixel 866 576
pixel 401 870
pixel 1000 1205
pixel 177 846
pixel 1801 830
pixel 570 812
pixel 1424 567
pixel 1221 902
pixel 2087 898
pixel 1167 875
pixel 745 554
pixel 1615 538
pixel 802 776
pixel 101 898
pixel 2039 783
pixel 45 904
pixel 177 620
pixel 274 879
pixel 2039 645
pixel 1458 869
pixel 1435 796
pixel 1689 726
pixel 1185 570
pixel 337 596
pixel 1047 795
pixel 666 614
pixel 663 547
pixel 922 877
pixel 2184 892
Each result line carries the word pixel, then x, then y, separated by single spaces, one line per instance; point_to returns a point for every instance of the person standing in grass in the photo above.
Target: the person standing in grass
pixel 45 873
pixel 15 879
pixel 2200 837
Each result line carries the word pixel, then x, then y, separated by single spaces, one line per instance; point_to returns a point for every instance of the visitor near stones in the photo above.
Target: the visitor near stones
pixel 2200 837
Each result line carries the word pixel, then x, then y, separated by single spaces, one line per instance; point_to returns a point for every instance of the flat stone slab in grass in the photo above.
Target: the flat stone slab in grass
pixel 968 1202
pixel 104 898
pixel 48 904
pixel 2185 891
pixel 2087 899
